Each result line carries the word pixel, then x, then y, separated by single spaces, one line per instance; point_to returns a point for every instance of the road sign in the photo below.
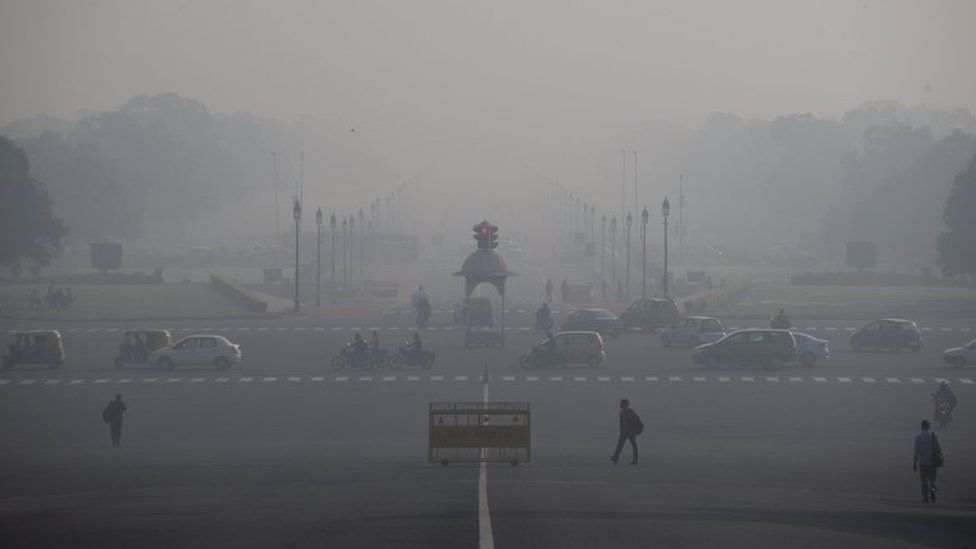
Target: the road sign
pixel 479 432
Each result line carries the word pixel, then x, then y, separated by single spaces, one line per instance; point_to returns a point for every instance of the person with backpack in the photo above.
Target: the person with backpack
pixel 112 414
pixel 630 426
pixel 928 458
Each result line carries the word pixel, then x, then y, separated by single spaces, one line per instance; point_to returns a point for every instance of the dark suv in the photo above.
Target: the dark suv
pixel 888 333
pixel 593 320
pixel 753 346
pixel 651 314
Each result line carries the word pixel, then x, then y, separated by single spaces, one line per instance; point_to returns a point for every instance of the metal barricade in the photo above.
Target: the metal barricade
pixel 479 432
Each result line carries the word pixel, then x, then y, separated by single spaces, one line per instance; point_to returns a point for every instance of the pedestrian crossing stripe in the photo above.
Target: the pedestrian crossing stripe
pixel 446 327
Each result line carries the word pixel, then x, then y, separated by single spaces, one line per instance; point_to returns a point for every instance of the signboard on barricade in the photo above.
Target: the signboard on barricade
pixel 479 432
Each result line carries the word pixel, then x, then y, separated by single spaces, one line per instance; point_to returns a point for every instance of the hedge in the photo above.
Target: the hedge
pixel 238 294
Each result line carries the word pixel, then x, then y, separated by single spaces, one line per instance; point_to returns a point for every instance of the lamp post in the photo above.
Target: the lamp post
pixel 613 254
pixel 665 210
pixel 332 223
pixel 297 214
pixel 362 247
pixel 603 233
pixel 644 216
pixel 318 258
pixel 345 246
pixel 628 222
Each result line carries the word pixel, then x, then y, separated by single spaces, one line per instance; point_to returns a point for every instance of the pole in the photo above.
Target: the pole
pixel 318 263
pixel 665 256
pixel 297 304
pixel 635 182
pixel 333 224
pixel 627 272
pixel 644 277
pixel 603 232
pixel 613 256
pixel 623 183
pixel 274 157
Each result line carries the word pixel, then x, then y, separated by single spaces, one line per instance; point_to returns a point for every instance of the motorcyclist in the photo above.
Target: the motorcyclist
pixel 780 321
pixel 543 318
pixel 423 311
pixel 358 347
pixel 374 342
pixel 944 394
pixel 416 344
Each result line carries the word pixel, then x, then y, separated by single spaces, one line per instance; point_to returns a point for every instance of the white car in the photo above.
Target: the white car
pixel 810 349
pixel 694 331
pixel 961 356
pixel 198 350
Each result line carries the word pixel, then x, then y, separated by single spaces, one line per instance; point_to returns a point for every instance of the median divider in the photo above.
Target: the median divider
pixel 239 294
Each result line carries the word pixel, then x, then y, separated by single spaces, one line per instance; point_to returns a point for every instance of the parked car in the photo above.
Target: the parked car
pixel 693 331
pixel 198 350
pixel 752 346
pixel 651 314
pixel 35 347
pixel 593 320
pixel 571 348
pixel 961 356
pixel 810 349
pixel 888 333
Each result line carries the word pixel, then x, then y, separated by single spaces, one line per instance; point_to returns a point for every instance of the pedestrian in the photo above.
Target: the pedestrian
pixel 928 458
pixel 35 300
pixel 630 426
pixel 564 290
pixel 113 414
pixel 549 290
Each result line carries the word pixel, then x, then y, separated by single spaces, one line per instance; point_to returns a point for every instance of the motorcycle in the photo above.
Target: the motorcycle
pixel 349 358
pixel 943 413
pixel 422 359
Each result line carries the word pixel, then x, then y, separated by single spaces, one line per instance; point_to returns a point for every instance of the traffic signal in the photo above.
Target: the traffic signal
pixel 486 235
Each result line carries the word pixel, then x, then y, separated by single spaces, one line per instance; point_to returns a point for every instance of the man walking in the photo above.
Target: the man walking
pixel 927 460
pixel 112 414
pixel 630 427
pixel 549 290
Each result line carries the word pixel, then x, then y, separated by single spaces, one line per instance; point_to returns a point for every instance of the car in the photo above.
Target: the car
pixel 771 348
pixel 198 350
pixel 895 334
pixel 810 349
pixel 693 331
pixel 593 320
pixel 577 347
pixel 961 356
pixel 651 314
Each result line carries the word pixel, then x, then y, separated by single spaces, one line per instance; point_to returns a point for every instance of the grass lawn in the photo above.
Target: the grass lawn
pixel 123 301
pixel 870 301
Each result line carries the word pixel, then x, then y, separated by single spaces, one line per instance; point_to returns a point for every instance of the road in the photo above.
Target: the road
pixel 283 451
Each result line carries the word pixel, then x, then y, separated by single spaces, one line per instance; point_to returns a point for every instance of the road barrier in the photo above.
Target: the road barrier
pixel 479 432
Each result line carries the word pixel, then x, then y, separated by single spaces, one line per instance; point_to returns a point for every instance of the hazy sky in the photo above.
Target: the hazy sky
pixel 523 70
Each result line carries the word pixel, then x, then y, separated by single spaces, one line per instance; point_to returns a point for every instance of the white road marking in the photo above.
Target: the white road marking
pixel 521 311
pixel 111 330
pixel 650 378
pixel 365 378
pixel 555 378
pixel 626 378
pixel 449 328
pixel 281 329
pixel 747 379
pixel 222 379
pixel 868 379
pixel 486 540
pixel 525 328
pixel 437 378
pixel 850 329
pixel 831 328
pixel 336 328
pixel 244 329
pixel 79 381
pixel 317 379
pixel 725 379
pixel 174 380
pixel 299 329
pixel 946 329
pixel 270 379
pixel 699 379
pixel 146 380
pixel 27 381
pixel 245 379
pixel 508 378
pixel 91 330
pixel 389 378
pixel 318 328
pixel 926 329
pixel 413 378
pixel 198 380
pixel 844 379
pixel 293 379
pixel 965 329
pixel 532 378
pixel 460 378
pixel 820 379
pixel 393 328
pixel 603 379
pixel 917 380
pixel 796 380
pixel 579 378
pixel 892 380
pixel 772 379
pixel 52 382
pixel 675 378
pixel 811 328
pixel 262 329
pixel 341 378
pixel 965 380
pixel 101 380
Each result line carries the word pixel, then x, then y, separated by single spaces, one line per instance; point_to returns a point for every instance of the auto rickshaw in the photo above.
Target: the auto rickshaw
pixel 137 345
pixel 35 347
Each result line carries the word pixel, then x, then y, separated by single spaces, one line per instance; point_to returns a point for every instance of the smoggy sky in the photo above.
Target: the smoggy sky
pixel 438 70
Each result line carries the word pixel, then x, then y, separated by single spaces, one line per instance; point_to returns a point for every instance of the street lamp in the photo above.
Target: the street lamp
pixel 345 246
pixel 297 214
pixel 628 222
pixel 665 210
pixel 362 246
pixel 603 232
pixel 644 216
pixel 332 223
pixel 318 258
pixel 613 255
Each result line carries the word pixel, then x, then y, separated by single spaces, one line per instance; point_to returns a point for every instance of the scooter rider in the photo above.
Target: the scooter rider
pixel 543 318
pixel 780 321
pixel 358 346
pixel 374 342
pixel 944 394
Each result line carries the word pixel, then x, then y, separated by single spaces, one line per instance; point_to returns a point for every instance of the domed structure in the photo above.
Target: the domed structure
pixel 484 266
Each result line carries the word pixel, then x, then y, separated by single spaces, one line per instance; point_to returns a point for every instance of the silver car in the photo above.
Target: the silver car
pixel 198 350
pixel 961 356
pixel 693 330
pixel 810 349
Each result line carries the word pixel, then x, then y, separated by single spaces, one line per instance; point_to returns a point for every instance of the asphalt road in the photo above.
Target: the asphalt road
pixel 283 451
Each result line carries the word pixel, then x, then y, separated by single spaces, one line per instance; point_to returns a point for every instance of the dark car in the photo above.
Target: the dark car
pixel 753 346
pixel 651 314
pixel 593 320
pixel 888 333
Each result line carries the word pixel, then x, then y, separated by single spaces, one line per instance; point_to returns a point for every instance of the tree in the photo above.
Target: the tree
pixel 957 252
pixel 28 229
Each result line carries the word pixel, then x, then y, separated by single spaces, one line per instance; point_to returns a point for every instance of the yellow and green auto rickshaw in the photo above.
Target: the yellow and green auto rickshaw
pixel 35 347
pixel 137 345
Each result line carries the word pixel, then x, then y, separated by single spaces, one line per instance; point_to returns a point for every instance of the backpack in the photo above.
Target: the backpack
pixel 938 459
pixel 106 415
pixel 638 425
